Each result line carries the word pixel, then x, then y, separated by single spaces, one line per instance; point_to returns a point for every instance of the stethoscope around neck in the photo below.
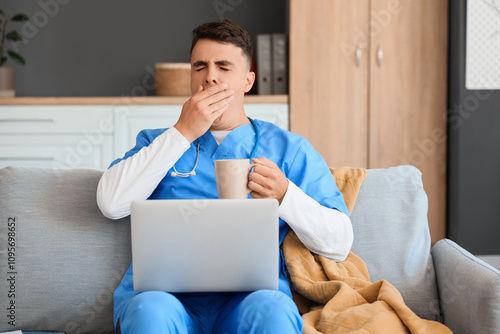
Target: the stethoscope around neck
pixel 193 172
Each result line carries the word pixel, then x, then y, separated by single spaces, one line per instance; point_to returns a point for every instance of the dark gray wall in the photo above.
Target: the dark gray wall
pixel 109 48
pixel 474 151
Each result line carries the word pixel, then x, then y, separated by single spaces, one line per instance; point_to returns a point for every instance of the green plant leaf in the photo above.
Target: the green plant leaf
pixel 3 60
pixel 14 36
pixel 2 12
pixel 20 18
pixel 17 57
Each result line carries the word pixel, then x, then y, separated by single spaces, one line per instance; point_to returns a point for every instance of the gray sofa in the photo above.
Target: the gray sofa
pixel 61 260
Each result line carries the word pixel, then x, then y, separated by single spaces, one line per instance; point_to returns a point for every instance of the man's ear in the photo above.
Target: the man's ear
pixel 250 79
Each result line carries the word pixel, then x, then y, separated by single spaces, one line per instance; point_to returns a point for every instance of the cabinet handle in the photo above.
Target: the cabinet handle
pixel 28 158
pixel 44 120
pixel 358 56
pixel 380 56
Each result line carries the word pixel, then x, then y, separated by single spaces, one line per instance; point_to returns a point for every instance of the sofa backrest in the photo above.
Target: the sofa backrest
pixel 62 258
pixel 391 234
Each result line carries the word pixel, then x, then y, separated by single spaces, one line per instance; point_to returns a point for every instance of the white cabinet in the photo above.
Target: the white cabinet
pixel 91 136
pixel 276 113
pixel 130 120
pixel 56 136
pixel 63 151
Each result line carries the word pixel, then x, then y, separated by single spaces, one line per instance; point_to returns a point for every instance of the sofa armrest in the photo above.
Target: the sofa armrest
pixel 469 290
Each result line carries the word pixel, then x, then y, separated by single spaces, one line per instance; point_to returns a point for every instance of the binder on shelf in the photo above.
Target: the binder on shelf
pixel 279 75
pixel 264 64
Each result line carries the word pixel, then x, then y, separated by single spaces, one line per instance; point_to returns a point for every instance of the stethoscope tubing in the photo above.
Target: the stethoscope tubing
pixel 193 172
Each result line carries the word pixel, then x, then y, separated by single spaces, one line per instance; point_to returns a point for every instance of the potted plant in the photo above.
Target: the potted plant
pixel 7 73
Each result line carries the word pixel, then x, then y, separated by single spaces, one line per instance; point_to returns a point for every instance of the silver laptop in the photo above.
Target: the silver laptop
pixel 205 245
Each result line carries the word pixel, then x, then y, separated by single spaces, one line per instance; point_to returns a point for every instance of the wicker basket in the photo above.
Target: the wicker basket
pixel 173 79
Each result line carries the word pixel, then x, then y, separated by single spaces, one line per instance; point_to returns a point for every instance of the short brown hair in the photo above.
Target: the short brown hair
pixel 225 31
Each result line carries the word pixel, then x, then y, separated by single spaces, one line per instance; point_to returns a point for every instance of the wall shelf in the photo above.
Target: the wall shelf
pixel 127 100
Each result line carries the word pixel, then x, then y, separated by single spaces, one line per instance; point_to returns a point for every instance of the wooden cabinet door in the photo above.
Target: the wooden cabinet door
pixel 408 68
pixel 328 87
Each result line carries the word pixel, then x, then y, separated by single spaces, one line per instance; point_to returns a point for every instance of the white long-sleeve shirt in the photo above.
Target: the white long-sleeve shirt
pixel 324 231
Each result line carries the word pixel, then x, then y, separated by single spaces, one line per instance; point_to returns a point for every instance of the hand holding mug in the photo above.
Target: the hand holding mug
pixel 267 180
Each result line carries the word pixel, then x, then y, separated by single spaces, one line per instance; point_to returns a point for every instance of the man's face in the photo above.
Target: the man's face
pixel 214 63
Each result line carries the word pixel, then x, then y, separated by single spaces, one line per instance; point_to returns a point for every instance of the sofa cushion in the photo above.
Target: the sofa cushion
pixel 47 217
pixel 391 234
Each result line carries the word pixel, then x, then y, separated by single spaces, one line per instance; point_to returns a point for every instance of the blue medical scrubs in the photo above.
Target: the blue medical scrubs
pixel 227 312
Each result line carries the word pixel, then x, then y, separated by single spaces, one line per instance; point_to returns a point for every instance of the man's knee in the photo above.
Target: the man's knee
pixel 156 310
pixel 154 302
pixel 264 311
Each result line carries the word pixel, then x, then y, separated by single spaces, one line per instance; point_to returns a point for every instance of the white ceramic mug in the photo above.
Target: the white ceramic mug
pixel 232 178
